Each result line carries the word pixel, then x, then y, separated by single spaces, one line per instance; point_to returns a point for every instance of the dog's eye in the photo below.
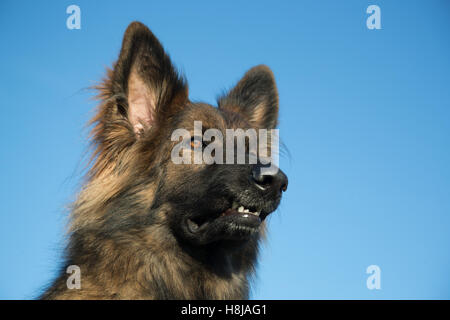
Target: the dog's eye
pixel 197 143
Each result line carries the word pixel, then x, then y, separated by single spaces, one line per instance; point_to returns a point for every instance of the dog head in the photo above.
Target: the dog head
pixel 146 120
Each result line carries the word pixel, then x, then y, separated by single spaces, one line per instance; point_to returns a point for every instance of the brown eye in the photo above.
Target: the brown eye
pixel 196 143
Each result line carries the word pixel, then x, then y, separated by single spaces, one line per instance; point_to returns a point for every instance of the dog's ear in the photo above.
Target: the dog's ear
pixel 256 97
pixel 144 86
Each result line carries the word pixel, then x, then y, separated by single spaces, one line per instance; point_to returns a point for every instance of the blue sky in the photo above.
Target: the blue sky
pixel 364 113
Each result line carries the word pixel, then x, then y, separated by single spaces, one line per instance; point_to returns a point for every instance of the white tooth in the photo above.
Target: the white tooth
pixel 246 210
pixel 245 215
pixel 241 209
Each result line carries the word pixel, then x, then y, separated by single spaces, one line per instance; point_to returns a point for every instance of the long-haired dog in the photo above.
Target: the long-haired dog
pixel 146 227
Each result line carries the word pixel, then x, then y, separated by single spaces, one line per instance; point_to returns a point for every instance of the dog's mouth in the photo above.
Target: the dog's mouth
pixel 238 215
pixel 238 209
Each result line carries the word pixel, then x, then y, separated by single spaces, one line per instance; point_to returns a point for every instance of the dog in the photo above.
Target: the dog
pixel 145 227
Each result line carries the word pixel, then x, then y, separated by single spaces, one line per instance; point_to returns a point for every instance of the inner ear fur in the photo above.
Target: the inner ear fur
pixel 145 81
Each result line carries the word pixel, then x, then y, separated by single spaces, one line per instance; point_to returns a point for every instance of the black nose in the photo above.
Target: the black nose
pixel 268 177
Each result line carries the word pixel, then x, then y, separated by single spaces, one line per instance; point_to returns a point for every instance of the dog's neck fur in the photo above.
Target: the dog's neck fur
pixel 124 255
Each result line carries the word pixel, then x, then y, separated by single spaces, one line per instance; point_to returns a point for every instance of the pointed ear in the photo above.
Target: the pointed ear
pixel 255 97
pixel 144 83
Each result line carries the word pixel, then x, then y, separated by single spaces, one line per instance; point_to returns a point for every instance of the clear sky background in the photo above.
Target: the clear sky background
pixel 364 113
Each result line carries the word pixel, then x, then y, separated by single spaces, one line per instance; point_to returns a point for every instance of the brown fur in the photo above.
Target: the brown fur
pixel 122 230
